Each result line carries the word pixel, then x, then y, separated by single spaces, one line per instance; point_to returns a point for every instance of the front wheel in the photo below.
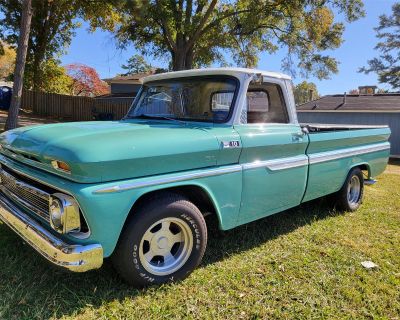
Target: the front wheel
pixel 350 196
pixel 162 242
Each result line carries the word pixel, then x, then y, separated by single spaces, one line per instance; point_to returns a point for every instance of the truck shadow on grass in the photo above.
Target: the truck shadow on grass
pixel 30 288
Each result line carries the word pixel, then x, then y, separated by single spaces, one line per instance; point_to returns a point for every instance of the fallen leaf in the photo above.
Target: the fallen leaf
pixel 369 265
pixel 22 302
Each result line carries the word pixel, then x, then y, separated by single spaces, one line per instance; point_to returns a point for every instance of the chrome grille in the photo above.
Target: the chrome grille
pixel 24 194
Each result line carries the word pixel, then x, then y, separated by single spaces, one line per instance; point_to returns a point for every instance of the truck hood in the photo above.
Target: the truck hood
pixel 114 150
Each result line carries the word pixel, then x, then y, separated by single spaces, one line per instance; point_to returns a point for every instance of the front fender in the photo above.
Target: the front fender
pixel 106 213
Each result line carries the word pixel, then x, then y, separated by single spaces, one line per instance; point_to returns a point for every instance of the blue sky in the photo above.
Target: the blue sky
pixel 99 50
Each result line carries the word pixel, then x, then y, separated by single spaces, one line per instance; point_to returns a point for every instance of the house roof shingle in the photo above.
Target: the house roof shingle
pixel 376 102
pixel 132 78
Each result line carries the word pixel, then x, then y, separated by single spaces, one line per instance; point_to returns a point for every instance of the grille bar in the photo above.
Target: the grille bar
pixel 24 194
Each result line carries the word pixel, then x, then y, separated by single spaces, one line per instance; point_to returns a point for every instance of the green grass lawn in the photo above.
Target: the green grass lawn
pixel 303 263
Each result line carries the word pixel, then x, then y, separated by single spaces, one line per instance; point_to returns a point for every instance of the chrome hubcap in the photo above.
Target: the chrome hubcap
pixel 166 246
pixel 354 190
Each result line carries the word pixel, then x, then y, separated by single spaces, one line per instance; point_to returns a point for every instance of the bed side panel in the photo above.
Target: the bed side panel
pixel 333 154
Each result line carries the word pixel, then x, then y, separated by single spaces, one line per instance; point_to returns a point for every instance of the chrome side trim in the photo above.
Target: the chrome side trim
pixel 77 258
pixel 176 178
pixel 272 165
pixel 347 152
pixel 278 164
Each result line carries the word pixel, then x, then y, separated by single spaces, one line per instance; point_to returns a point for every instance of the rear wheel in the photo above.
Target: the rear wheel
pixel 350 196
pixel 164 241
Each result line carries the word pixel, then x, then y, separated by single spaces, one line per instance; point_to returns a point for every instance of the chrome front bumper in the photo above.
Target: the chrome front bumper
pixel 77 258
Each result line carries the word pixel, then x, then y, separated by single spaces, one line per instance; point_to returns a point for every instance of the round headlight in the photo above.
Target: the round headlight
pixel 57 215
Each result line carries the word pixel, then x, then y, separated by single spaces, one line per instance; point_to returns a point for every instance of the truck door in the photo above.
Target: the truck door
pixel 273 153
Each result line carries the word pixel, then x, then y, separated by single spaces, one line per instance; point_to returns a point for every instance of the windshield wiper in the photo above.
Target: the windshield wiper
pixel 149 116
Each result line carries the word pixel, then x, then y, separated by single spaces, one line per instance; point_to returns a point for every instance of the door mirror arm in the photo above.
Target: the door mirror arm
pixel 305 130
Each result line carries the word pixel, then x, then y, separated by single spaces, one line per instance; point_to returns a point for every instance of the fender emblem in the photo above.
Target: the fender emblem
pixel 230 144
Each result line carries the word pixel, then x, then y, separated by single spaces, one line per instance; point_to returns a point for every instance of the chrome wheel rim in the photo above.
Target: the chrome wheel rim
pixel 166 246
pixel 354 190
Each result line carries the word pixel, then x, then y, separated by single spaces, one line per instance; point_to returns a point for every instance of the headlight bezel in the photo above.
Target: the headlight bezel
pixel 67 209
pixel 56 214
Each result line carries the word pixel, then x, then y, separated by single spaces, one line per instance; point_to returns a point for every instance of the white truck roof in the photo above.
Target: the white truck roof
pixel 214 71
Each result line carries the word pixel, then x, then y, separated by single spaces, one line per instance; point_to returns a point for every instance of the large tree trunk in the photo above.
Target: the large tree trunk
pixel 182 59
pixel 12 119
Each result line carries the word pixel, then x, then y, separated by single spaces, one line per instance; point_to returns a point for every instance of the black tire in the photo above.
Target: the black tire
pixel 129 258
pixel 345 199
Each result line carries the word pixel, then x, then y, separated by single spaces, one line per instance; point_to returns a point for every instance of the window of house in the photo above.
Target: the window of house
pixel 265 104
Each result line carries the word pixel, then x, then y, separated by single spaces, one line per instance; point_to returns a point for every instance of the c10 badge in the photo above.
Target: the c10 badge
pixel 230 144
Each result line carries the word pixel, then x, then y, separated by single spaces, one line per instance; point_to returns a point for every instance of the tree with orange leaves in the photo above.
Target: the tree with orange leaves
pixel 86 81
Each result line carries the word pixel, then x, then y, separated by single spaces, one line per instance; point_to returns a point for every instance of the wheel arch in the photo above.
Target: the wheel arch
pixel 364 166
pixel 199 195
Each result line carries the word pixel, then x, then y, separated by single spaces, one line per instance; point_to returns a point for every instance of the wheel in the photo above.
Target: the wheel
pixel 349 197
pixel 163 241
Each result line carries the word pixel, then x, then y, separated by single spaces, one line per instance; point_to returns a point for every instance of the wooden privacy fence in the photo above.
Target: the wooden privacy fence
pixel 73 108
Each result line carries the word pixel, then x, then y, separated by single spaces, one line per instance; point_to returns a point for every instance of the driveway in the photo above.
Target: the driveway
pixel 25 119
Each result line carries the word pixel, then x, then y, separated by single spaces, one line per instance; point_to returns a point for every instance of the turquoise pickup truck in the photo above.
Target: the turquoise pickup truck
pixel 223 143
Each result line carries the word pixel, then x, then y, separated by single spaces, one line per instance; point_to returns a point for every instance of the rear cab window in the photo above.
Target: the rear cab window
pixel 265 103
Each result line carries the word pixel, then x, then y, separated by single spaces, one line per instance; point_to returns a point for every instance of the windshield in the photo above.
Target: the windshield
pixel 193 99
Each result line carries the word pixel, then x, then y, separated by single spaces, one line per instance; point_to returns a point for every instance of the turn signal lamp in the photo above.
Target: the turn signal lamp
pixel 60 165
